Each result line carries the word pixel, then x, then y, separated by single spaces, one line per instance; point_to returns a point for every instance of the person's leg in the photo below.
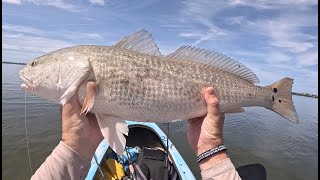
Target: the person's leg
pixel 252 172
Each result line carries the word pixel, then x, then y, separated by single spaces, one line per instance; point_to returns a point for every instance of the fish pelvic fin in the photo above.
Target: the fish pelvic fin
pixel 282 99
pixel 90 97
pixel 113 130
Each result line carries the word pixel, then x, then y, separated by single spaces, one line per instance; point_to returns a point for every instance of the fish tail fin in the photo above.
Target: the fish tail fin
pixel 282 99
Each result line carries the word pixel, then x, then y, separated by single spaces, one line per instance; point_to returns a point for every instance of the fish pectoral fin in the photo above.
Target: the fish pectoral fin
pixel 78 73
pixel 113 130
pixel 237 110
pixel 90 97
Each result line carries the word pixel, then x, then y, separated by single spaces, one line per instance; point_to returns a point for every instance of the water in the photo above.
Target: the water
pixel 287 150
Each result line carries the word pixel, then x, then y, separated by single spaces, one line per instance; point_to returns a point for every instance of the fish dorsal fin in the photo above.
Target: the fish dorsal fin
pixel 141 41
pixel 194 54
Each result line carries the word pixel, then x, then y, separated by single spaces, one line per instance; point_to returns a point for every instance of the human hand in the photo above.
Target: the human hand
pixel 79 131
pixel 206 132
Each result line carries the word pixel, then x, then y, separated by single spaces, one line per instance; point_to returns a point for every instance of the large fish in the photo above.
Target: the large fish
pixel 131 80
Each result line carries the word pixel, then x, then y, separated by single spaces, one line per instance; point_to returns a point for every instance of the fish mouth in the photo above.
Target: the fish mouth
pixel 28 84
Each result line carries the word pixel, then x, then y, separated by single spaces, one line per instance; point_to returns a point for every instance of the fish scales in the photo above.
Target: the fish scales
pixel 142 83
pixel 135 79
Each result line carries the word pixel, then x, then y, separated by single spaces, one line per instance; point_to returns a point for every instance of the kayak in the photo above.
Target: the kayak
pixel 149 154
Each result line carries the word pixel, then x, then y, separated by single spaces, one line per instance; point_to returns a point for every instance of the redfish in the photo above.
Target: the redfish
pixel 131 80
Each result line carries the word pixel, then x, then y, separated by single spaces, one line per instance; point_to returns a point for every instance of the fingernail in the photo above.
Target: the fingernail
pixel 210 91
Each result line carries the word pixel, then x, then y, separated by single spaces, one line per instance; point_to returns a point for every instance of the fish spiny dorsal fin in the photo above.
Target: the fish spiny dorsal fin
pixel 141 41
pixel 197 55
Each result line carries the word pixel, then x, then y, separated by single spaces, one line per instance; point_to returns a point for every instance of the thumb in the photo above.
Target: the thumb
pixel 212 101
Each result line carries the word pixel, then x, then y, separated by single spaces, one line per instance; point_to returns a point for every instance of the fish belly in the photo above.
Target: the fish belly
pixel 150 101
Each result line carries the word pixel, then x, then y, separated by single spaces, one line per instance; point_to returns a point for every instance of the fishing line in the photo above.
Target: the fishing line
pixel 25 125
pixel 167 160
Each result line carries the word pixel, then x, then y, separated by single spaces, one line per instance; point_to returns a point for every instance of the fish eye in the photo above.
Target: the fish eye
pixel 33 63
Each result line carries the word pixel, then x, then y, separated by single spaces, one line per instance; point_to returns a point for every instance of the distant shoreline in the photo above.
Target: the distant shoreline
pixel 305 94
pixel 7 62
pixel 294 93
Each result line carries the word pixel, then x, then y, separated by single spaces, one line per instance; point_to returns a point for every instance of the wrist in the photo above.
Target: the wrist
pixel 203 147
pixel 80 144
pixel 213 160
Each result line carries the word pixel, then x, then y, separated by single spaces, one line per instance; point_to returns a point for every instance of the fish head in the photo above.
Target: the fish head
pixel 55 76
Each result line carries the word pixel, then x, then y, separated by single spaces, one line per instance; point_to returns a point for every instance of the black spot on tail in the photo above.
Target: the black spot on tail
pixel 275 90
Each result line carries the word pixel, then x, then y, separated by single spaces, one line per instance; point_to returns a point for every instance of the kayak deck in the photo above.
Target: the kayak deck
pixel 141 134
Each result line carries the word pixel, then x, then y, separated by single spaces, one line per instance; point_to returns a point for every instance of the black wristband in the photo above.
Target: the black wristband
pixel 211 152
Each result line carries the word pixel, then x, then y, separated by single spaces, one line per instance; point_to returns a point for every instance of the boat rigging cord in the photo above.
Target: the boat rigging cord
pixel 100 170
pixel 25 124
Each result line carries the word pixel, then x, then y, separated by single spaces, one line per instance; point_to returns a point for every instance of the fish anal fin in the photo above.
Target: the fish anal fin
pixel 141 41
pixel 237 110
pixel 90 97
pixel 113 130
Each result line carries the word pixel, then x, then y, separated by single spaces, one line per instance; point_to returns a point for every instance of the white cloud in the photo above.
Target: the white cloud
pixel 33 43
pixel 284 31
pixel 12 35
pixel 289 48
pixel 69 24
pixel 278 57
pixel 23 40
pixel 287 38
pixel 17 31
pixel 56 3
pixel 288 41
pixel 61 4
pixel 305 80
pixel 12 1
pixel 94 35
pixel 26 38
pixel 22 29
pixel 309 58
pixel 97 2
pixel 194 20
pixel 19 55
pixel 274 4
pixel 190 35
pixel 201 36
pixel 247 53
pixel 81 35
pixel 88 18
pixel 236 20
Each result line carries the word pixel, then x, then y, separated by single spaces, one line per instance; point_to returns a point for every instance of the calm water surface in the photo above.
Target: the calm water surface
pixel 287 150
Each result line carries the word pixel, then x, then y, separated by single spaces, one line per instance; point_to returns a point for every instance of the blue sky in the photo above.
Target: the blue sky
pixel 274 38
